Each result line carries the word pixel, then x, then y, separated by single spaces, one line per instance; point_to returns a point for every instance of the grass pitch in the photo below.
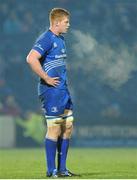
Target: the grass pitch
pixel 93 163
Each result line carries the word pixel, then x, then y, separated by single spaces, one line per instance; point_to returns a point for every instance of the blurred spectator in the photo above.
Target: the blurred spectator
pixel 9 106
pixel 27 22
pixel 3 12
pixel 112 111
pixel 2 65
pixel 12 24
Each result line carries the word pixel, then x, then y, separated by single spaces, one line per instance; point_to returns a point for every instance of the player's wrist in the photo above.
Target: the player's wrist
pixel 46 77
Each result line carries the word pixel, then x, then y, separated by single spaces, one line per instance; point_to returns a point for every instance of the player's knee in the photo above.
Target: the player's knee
pixel 69 127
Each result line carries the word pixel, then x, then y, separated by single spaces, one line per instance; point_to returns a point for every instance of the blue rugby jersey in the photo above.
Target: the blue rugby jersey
pixel 53 51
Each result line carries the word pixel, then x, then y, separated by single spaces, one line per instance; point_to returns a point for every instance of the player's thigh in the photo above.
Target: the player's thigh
pixel 53 131
pixel 67 125
pixel 54 125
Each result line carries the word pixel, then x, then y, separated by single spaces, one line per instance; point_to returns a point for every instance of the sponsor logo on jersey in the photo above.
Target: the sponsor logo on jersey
pixel 39 46
pixel 61 56
pixel 54 109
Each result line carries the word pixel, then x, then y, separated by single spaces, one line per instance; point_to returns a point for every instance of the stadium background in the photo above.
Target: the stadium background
pixel 102 71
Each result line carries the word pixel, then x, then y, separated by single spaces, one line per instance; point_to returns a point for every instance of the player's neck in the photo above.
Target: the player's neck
pixel 54 30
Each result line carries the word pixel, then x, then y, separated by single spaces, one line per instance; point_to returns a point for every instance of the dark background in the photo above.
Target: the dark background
pixel 102 59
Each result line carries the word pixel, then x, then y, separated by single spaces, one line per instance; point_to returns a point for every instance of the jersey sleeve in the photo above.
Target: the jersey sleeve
pixel 43 44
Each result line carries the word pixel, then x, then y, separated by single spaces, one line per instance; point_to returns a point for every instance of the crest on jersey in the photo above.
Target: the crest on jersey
pixel 63 50
pixel 54 44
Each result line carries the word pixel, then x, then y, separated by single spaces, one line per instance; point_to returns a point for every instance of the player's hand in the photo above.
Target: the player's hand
pixel 53 81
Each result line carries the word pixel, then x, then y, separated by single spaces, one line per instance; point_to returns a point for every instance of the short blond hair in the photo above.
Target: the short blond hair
pixel 58 14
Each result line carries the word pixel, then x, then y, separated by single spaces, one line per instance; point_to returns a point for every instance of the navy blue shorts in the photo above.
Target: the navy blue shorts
pixel 55 101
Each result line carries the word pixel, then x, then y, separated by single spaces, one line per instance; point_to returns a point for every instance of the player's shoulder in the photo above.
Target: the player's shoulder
pixel 51 35
pixel 45 35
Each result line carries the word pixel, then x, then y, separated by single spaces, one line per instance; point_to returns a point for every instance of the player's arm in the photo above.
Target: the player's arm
pixel 33 59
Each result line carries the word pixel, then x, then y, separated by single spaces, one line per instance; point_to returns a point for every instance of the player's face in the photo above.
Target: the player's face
pixel 64 25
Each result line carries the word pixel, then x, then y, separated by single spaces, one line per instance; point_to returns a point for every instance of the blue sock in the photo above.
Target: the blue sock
pixel 59 143
pixel 63 145
pixel 50 147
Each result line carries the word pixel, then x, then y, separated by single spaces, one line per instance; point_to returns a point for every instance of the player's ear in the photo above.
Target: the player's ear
pixel 57 23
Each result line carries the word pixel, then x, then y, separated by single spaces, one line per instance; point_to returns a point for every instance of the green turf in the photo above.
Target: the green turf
pixel 101 163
